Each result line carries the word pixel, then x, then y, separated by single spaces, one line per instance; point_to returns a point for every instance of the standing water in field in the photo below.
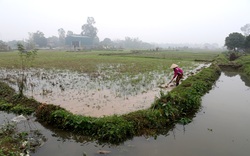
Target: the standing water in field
pixel 106 92
pixel 221 128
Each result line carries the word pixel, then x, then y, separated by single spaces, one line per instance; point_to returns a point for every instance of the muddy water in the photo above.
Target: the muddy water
pixel 102 93
pixel 221 128
pixel 90 95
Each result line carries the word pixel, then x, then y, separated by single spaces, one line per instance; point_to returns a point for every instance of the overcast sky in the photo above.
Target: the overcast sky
pixel 159 21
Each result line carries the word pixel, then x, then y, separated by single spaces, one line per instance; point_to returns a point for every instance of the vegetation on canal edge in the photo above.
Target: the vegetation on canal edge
pixel 16 141
pixel 239 61
pixel 245 62
pixel 186 98
pixel 10 101
pixel 10 145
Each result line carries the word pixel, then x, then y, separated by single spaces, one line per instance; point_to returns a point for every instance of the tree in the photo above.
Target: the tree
pixel 235 41
pixel 246 29
pixel 61 33
pixel 39 39
pixel 88 29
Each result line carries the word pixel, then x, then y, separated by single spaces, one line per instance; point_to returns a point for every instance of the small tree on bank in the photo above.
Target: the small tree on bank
pixel 26 58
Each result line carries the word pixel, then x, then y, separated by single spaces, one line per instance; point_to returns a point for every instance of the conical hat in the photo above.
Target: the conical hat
pixel 173 66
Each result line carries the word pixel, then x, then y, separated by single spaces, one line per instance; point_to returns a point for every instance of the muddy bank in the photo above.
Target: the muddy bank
pixel 230 66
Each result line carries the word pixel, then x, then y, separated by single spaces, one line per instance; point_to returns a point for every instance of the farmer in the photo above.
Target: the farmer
pixel 178 72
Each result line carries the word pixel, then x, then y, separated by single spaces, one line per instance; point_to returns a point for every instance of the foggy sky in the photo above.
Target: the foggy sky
pixel 159 21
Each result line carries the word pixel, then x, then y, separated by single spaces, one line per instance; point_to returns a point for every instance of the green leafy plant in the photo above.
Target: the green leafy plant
pixel 20 109
pixel 5 106
pixel 185 120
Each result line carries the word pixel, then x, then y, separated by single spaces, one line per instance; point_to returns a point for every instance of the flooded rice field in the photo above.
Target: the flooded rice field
pixel 98 94
pixel 221 128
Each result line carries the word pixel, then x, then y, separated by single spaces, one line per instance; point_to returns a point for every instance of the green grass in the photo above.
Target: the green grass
pixel 245 61
pixel 89 62
pixel 174 55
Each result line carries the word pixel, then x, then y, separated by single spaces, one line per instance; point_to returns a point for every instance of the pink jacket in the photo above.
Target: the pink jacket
pixel 177 71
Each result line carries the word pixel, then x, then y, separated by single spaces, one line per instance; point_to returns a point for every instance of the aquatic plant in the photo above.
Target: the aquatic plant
pixel 14 141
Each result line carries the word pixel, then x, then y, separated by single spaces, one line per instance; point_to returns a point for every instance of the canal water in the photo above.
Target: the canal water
pixel 221 127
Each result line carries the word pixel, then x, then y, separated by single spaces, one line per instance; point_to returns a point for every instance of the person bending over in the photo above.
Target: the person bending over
pixel 178 73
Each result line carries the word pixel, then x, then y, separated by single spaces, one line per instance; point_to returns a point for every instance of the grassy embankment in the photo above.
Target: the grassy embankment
pixel 241 63
pixel 245 62
pixel 166 110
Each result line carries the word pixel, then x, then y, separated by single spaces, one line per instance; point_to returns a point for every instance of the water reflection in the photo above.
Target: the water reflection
pixel 230 72
pixel 245 79
pixel 233 72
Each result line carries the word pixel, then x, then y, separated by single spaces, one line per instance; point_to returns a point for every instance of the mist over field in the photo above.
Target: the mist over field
pixel 168 23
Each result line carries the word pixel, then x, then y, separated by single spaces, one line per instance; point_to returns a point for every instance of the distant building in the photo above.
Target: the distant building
pixel 78 42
